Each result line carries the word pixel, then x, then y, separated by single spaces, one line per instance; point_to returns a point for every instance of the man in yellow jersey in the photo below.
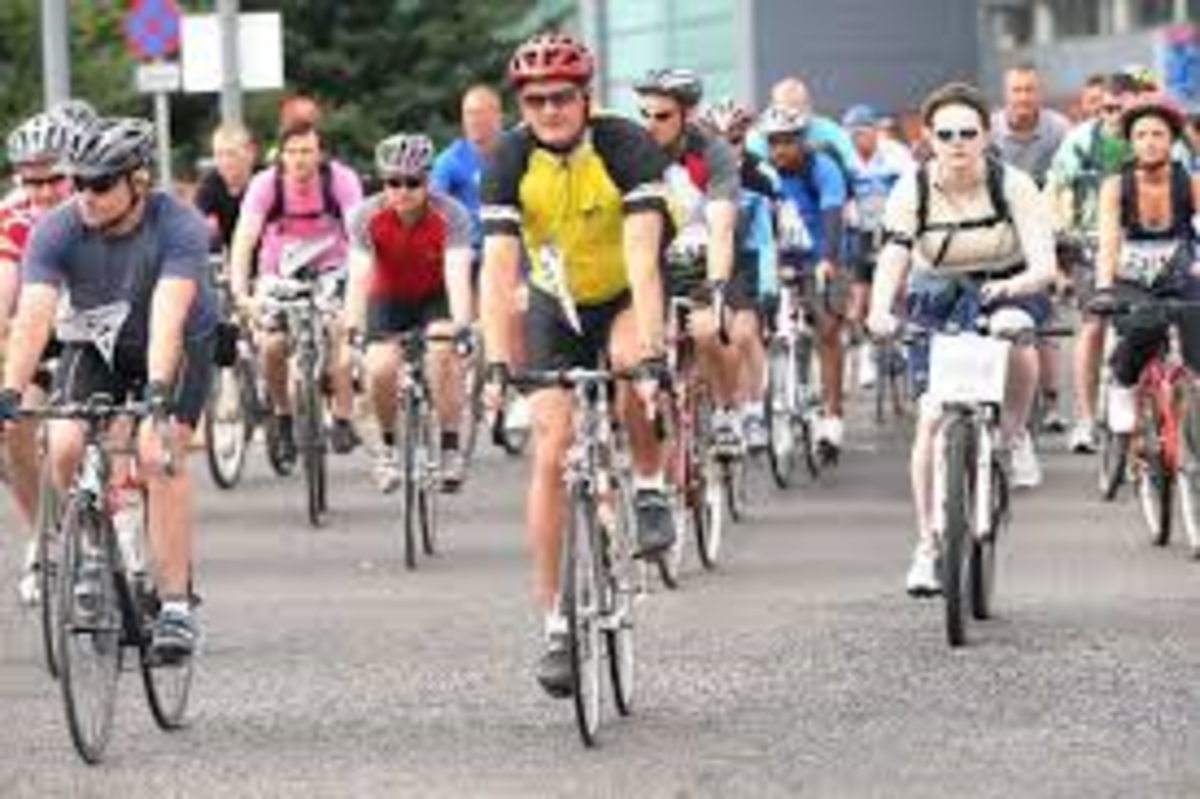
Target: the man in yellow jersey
pixel 585 196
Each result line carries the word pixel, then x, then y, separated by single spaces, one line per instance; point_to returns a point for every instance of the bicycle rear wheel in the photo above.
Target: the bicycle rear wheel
pixel 431 484
pixel 1154 480
pixel 782 443
pixel 581 606
pixel 618 577
pixel 958 506
pixel 48 557
pixel 168 684
pixel 983 548
pixel 227 428
pixel 414 465
pixel 1112 462
pixel 1189 473
pixel 90 628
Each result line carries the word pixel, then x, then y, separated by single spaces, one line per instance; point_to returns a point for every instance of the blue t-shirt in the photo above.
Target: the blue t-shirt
pixel 826 190
pixel 95 269
pixel 458 171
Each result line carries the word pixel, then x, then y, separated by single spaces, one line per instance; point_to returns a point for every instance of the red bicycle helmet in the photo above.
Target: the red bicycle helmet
pixel 1158 105
pixel 551 56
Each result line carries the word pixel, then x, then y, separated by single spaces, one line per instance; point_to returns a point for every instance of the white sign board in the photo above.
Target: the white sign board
pixel 153 77
pixel 260 51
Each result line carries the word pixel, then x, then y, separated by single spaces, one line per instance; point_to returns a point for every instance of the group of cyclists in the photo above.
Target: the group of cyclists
pixel 562 239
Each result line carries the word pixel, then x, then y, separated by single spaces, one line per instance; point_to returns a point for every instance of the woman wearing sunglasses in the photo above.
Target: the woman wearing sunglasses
pixel 37 153
pixel 963 225
pixel 410 269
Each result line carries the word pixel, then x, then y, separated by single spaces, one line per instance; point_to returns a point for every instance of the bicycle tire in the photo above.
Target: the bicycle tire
pixel 1189 483
pixel 1112 462
pixel 89 704
pixel 619 578
pixel 430 486
pixel 226 449
pixel 983 548
pixel 312 447
pixel 579 604
pixel 48 555
pixel 709 505
pixel 410 443
pixel 168 686
pixel 958 508
pixel 781 413
pixel 1155 482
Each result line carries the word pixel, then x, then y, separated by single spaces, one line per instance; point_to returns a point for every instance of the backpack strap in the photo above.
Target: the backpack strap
pixel 1181 200
pixel 922 198
pixel 329 201
pixel 995 187
pixel 1129 211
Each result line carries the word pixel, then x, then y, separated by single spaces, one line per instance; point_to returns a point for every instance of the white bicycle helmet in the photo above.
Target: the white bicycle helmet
pixel 112 146
pixel 39 139
pixel 73 114
pixel 780 120
pixel 404 154
pixel 683 85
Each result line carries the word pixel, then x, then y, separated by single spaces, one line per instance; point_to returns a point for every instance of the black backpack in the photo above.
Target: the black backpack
pixel 330 205
pixel 1001 212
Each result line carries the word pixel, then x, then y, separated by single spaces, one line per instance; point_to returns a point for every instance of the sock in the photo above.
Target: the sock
pixel 654 482
pixel 388 437
pixel 449 440
pixel 178 607
pixel 554 623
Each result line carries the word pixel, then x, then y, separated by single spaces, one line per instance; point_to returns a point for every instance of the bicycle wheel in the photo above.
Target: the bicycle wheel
pixel 670 564
pixel 311 425
pixel 90 628
pixel 709 503
pixel 581 605
pixel 1114 454
pixel 958 506
pixel 1189 473
pixel 413 468
pixel 430 485
pixel 1154 480
pixel 168 685
pixel 983 548
pixel 49 551
pixel 472 412
pixel 618 578
pixel 227 428
pixel 781 411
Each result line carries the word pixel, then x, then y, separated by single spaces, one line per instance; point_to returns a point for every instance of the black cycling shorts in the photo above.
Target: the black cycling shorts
pixel 552 343
pixel 387 318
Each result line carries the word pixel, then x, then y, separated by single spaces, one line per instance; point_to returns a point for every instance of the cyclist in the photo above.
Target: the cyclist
pixel 219 195
pixel 1147 248
pixel 792 93
pixel 410 268
pixel 962 221
pixel 301 200
pixel 814 193
pixel 1092 151
pixel 879 162
pixel 704 187
pixel 37 151
pixel 138 256
pixel 586 195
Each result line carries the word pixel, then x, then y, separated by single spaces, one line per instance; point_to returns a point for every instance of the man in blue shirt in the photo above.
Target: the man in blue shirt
pixel 458 168
pixel 792 94
pixel 813 198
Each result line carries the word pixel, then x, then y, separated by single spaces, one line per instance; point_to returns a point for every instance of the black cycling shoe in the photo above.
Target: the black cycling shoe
pixel 554 667
pixel 655 522
pixel 284 440
pixel 342 438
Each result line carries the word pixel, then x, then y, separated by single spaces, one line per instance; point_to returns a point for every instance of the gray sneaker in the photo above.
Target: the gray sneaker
pixel 173 636
pixel 655 522
pixel 554 667
pixel 453 470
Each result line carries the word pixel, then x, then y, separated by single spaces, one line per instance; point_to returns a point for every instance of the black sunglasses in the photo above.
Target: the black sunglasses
pixel 47 180
pixel 557 99
pixel 656 116
pixel 962 134
pixel 98 184
pixel 410 182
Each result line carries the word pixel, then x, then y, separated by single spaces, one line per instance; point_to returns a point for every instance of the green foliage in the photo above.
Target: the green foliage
pixel 377 66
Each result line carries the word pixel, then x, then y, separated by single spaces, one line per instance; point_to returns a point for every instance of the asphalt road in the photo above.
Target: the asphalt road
pixel 799 669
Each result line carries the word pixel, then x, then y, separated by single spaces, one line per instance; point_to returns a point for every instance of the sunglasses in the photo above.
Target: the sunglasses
pixel 962 134
pixel 410 182
pixel 48 180
pixel 99 184
pixel 1111 108
pixel 656 116
pixel 562 98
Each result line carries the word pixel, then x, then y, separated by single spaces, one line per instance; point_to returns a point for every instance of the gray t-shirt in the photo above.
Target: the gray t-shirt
pixel 1031 151
pixel 96 270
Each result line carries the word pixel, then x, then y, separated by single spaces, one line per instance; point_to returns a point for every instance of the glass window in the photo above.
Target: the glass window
pixel 1155 12
pixel 632 55
pixel 1076 17
pixel 703 46
pixel 626 15
pixel 703 9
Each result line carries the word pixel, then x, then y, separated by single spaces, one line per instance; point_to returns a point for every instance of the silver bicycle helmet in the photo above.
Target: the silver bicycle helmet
pixel 73 114
pixel 112 146
pixel 683 85
pixel 404 154
pixel 780 120
pixel 39 139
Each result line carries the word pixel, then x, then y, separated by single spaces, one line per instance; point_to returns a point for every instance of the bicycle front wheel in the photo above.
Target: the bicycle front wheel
pixel 983 548
pixel 1114 453
pixel 227 428
pixel 618 578
pixel 1189 475
pixel 90 628
pixel 581 606
pixel 48 556
pixel 1155 482
pixel 168 684
pixel 311 423
pixel 782 443
pixel 958 503
pixel 431 484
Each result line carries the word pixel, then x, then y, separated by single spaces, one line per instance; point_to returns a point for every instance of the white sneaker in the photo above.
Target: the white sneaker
pixel 1122 409
pixel 754 422
pixel 1083 437
pixel 1026 470
pixel 830 431
pixel 923 580
pixel 29 585
pixel 387 471
pixel 868 372
pixel 516 414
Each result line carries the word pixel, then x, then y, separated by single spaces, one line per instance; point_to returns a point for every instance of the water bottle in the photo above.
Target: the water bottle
pixel 128 514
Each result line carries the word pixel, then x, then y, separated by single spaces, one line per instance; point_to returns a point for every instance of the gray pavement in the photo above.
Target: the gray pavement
pixel 800 669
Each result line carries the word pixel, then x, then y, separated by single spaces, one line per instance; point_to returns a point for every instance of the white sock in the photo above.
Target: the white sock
pixel 653 482
pixel 554 623
pixel 179 607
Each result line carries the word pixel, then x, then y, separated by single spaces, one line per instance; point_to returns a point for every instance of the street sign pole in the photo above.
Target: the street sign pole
pixel 231 70
pixel 162 121
pixel 56 59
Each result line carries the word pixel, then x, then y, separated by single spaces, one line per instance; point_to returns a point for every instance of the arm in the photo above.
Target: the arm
pixel 10 287
pixel 32 326
pixel 241 259
pixel 721 216
pixel 1034 226
pixel 458 261
pixel 1110 234
pixel 358 266
pixel 498 293
pixel 643 236
pixel 169 309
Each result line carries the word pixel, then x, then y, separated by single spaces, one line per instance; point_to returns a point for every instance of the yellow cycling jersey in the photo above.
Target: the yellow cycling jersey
pixel 569 208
